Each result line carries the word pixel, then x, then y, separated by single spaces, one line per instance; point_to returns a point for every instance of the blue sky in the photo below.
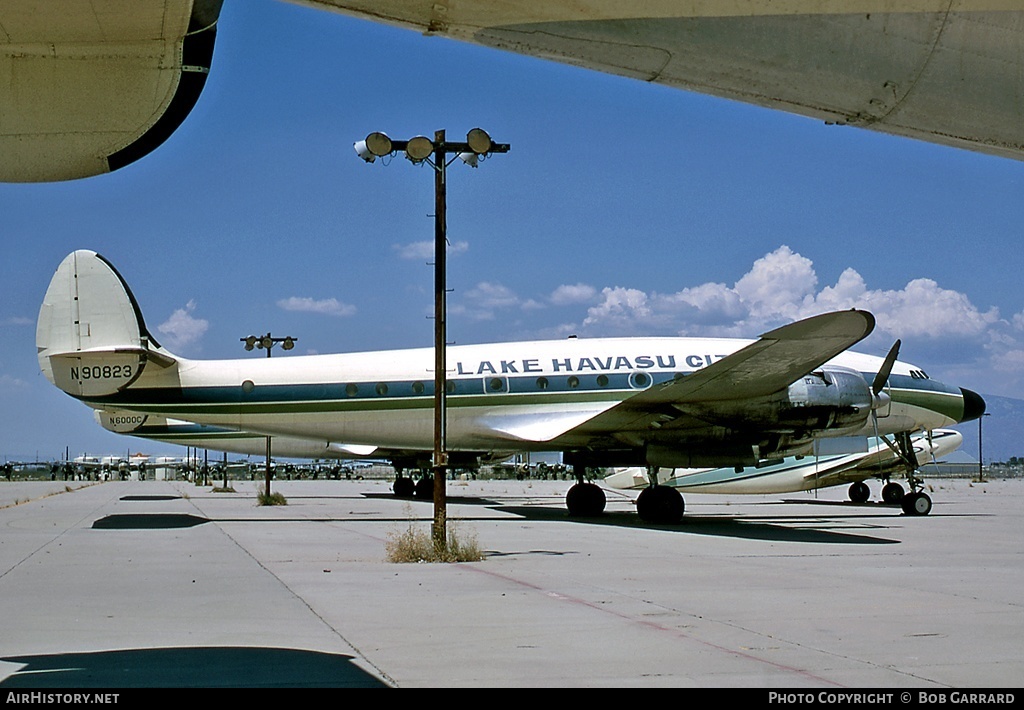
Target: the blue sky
pixel 623 208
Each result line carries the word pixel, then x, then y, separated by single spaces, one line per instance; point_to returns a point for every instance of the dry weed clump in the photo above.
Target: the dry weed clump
pixel 417 545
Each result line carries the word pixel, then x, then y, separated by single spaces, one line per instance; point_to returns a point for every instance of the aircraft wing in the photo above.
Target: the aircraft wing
pixel 769 364
pixel 941 71
pixel 88 86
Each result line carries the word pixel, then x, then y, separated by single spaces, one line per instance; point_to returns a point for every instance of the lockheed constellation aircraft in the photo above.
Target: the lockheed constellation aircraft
pixel 89 87
pixel 654 402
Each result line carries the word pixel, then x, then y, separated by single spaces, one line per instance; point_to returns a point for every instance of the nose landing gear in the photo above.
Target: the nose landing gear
pixel 917 502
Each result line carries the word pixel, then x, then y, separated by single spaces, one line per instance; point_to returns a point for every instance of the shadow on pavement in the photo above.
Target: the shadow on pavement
pixel 205 667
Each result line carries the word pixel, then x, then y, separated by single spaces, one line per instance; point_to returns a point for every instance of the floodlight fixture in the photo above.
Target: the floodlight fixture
pixel 376 145
pixel 479 142
pixel 419 149
pixel 267 342
pixel 363 152
pixel 379 144
pixel 470 158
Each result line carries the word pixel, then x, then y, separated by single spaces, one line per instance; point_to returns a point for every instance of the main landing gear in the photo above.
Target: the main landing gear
pixel 892 492
pixel 656 504
pixel 406 487
pixel 584 499
pixel 659 504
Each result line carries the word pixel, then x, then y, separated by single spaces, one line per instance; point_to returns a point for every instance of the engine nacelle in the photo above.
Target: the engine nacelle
pixel 830 398
pixel 833 399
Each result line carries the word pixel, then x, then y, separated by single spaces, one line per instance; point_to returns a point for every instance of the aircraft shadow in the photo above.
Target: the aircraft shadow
pixel 213 667
pixel 148 521
pixel 716 526
pixel 774 529
pixel 138 498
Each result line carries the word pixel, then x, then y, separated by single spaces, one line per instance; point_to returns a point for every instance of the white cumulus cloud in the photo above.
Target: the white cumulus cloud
pixel 425 250
pixel 576 293
pixel 182 329
pixel 324 306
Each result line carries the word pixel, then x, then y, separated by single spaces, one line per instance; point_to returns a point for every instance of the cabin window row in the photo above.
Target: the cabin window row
pixel 636 380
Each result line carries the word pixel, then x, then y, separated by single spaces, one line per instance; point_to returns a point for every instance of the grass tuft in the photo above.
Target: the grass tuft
pixel 417 545
pixel 273 499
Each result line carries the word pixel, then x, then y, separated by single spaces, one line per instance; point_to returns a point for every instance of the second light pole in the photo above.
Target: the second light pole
pixel 265 342
pixel 478 145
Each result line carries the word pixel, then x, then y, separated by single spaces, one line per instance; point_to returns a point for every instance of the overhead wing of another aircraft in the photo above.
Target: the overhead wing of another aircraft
pixel 946 71
pixel 87 86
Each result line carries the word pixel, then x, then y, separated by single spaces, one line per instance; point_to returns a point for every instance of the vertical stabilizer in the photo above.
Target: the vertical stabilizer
pixel 90 336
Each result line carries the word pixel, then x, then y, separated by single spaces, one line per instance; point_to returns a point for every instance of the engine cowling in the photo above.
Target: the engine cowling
pixel 832 399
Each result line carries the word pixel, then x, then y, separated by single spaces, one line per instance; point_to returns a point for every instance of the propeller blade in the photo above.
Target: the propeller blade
pixel 883 374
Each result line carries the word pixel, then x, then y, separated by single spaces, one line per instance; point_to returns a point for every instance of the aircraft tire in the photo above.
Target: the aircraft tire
pixel 916 504
pixel 661 505
pixel 859 492
pixel 425 488
pixel 404 487
pixel 585 500
pixel 892 493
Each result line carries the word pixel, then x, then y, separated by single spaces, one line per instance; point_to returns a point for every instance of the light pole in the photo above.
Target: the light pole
pixel 981 470
pixel 478 145
pixel 266 342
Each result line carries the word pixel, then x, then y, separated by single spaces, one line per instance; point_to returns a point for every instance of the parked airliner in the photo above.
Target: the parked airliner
pixel 879 460
pixel 655 402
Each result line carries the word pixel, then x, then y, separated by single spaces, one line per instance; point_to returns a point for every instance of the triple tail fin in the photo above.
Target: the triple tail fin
pixel 90 337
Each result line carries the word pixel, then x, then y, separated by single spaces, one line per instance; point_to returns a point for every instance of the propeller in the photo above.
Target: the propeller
pixel 878 398
pixel 883 373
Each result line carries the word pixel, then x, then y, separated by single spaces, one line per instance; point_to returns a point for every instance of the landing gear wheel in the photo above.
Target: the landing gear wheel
pixel 425 488
pixel 859 492
pixel 660 505
pixel 585 500
pixel 892 493
pixel 404 487
pixel 916 504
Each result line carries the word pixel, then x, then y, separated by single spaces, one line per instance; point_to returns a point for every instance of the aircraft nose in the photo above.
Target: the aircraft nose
pixel 974 405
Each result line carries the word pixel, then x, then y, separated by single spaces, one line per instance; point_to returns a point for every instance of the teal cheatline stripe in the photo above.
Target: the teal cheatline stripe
pixel 622 383
pixel 824 467
pixel 362 397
